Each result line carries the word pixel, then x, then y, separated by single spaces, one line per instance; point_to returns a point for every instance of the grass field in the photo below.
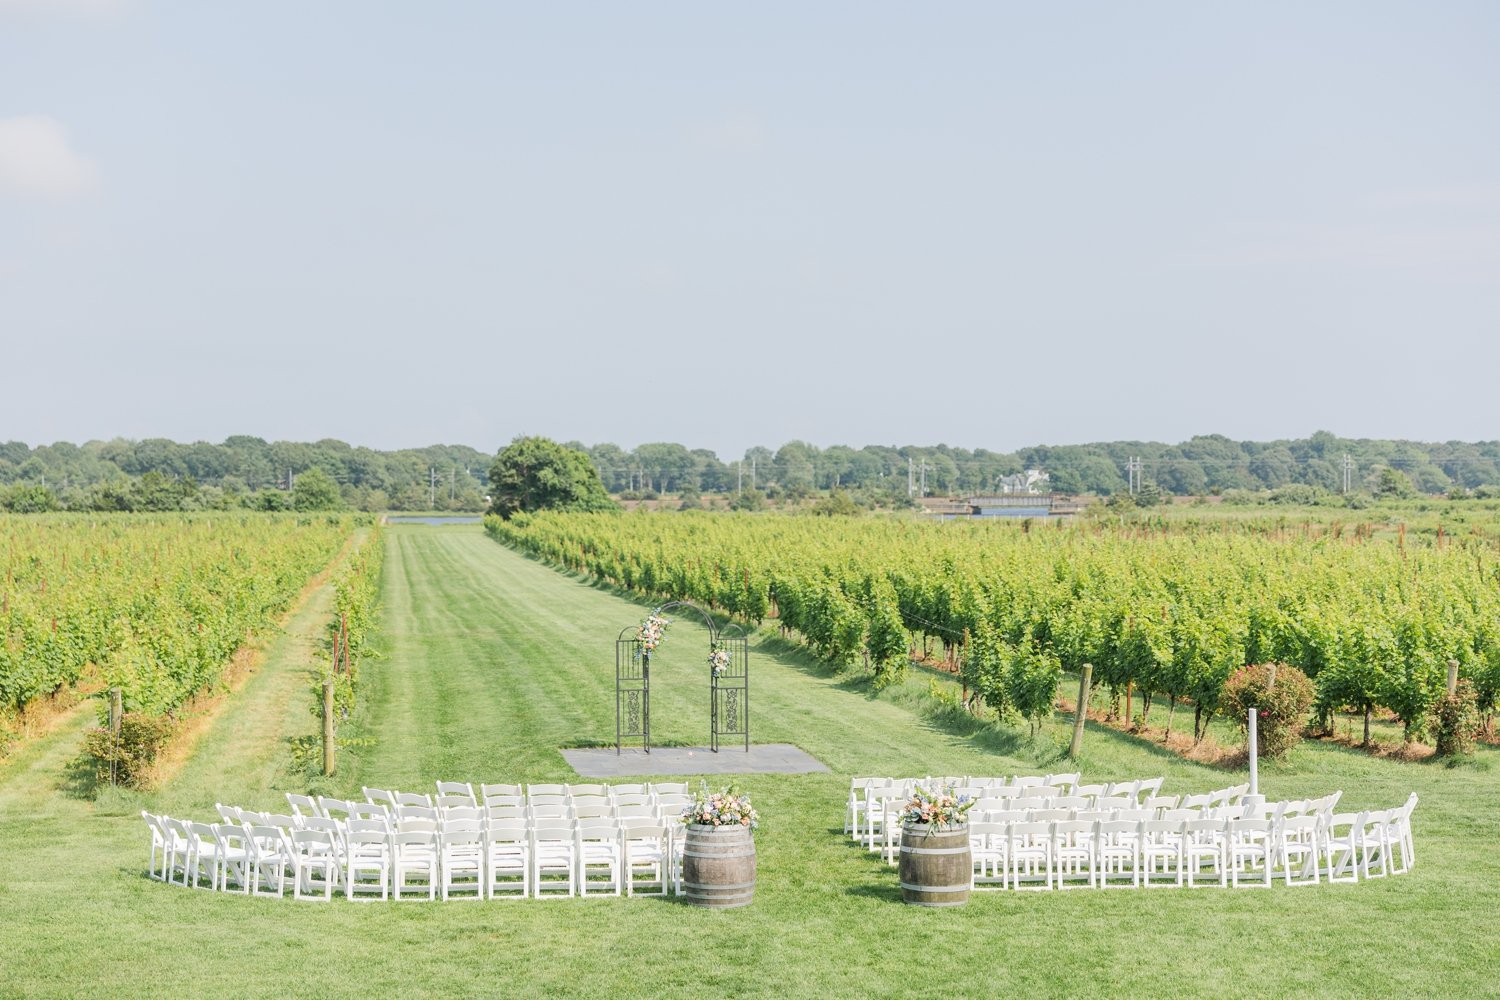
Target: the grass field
pixel 494 661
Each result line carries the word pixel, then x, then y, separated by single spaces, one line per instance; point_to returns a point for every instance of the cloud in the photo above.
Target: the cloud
pixel 37 162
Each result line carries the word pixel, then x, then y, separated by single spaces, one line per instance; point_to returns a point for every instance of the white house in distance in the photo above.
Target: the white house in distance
pixel 1030 481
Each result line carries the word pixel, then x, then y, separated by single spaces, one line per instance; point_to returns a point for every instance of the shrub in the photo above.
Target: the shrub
pixel 142 739
pixel 1282 705
pixel 1455 721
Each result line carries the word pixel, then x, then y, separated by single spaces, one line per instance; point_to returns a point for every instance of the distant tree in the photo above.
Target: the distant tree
pixel 316 490
pixel 837 503
pixel 27 498
pixel 537 473
pixel 748 500
pixel 1149 495
pixel 1392 483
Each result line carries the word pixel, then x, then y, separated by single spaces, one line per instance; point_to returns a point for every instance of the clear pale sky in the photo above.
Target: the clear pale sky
pixel 987 224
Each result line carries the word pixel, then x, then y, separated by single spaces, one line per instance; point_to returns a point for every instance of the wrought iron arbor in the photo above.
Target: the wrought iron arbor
pixel 729 686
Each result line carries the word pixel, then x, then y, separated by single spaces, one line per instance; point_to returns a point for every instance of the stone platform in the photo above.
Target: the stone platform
pixel 762 758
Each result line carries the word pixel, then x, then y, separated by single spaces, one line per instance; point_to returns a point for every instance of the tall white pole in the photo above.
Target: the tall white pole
pixel 1254 752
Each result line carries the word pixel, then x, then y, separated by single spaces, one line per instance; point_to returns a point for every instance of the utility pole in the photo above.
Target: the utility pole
pixel 911 483
pixel 924 477
pixel 1133 469
pixel 1348 465
pixel 739 474
pixel 752 470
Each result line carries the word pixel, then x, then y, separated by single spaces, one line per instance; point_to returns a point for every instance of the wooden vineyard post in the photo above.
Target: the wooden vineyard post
pixel 1452 677
pixel 328 726
pixel 1082 710
pixel 116 713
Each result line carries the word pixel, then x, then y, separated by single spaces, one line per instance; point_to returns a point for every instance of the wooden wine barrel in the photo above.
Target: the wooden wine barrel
pixel 936 867
pixel 718 866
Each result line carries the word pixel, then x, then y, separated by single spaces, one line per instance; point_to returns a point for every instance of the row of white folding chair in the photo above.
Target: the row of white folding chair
pixel 1145 853
pixel 859 796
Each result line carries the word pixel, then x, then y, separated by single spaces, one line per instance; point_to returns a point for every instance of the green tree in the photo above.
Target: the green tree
pixel 537 473
pixel 316 490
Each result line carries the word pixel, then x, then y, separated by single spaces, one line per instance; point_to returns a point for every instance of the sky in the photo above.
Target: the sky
pixel 983 224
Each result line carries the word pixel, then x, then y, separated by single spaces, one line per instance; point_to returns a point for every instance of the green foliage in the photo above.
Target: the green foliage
pixel 1031 680
pixel 536 473
pixel 133 755
pixel 1455 722
pixel 983 669
pixel 1281 706
pixel 748 500
pixel 838 503
pixel 887 642
pixel 27 498
pixel 316 490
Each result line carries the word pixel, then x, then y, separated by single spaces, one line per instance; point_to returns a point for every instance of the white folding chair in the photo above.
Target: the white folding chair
pixel 1118 850
pixel 1250 848
pixel 646 844
pixel 1341 840
pixel 462 852
pixel 381 797
pixel 1074 856
pixel 158 846
pixel 179 851
pixel 369 811
pixel 553 852
pixel 1296 849
pixel 233 856
pixel 271 856
pixel 420 800
pixel 367 853
pixel 1161 852
pixel 335 808
pixel 1203 840
pixel 316 864
pixel 414 855
pixel 987 848
pixel 486 792
pixel 1029 851
pixel 507 858
pixel 203 853
pixel 598 853
pixel 1374 844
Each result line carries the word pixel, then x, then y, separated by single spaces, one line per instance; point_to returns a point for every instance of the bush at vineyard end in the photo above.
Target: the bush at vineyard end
pixel 1282 696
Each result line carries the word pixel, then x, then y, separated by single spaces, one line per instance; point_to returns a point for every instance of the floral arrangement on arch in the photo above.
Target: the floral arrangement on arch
pixel 726 807
pixel 652 632
pixel 718 659
pixel 940 808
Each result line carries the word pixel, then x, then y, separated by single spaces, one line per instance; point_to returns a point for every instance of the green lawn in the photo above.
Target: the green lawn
pixel 494 661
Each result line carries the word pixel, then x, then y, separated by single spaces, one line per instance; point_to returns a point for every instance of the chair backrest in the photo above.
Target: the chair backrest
pixel 269 841
pixel 332 827
pixel 462 788
pixel 1119 788
pixel 1116 831
pixel 229 814
pixel 597 828
pixel 1092 791
pixel 1064 780
pixel 334 808
pixel 1133 815
pixel 421 799
pixel 641 830
pixel 576 791
pixel 1028 781
pixel 308 843
pixel 509 831
pixel 486 791
pixel 1052 815
pixel 1178 816
pixel 1307 823
pixel 229 836
pixel 670 788
pixel 504 813
pixel 556 812
pixel 250 818
pixel 1114 802
pixel 416 825
pixel 1028 831
pixel 379 795
pixel 1071 802
pixel 593 808
pixel 451 814
pixel 672 804
pixel 283 821
pixel 547 800
pixel 618 791
pixel 1160 802
pixel 200 834
pixel 1203 830
pixel 453 802
pixel 368 810
pixel 1094 815
pixel 462 831
pixel 377 827
pixel 1199 801
pixel 546 789
pixel 552 832
pixel 621 801
pixel 362 839
pixel 590 802
pixel 302 805
pixel 623 813
pixel 412 841
pixel 416 812
pixel 1071 830
pixel 1148 787
pixel 1160 831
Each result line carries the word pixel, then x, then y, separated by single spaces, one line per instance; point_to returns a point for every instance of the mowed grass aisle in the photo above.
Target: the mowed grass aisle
pixel 494 661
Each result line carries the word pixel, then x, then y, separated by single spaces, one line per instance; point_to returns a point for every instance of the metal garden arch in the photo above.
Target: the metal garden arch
pixel 729 687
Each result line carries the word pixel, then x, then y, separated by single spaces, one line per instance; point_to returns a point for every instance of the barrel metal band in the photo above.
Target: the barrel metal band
pixel 936 888
pixel 723 885
pixel 934 850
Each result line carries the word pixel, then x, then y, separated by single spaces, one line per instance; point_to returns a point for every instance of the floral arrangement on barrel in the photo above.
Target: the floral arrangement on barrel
pixel 726 807
pixel 718 659
pixel 940 808
pixel 652 632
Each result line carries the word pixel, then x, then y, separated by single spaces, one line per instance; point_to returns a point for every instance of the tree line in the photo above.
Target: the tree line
pixel 250 471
